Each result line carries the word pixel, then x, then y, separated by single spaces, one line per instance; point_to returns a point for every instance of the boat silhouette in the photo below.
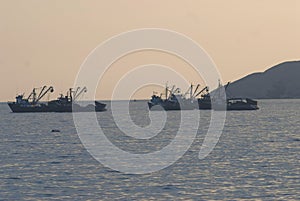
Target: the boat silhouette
pixel 175 100
pixel 67 103
pixel 237 103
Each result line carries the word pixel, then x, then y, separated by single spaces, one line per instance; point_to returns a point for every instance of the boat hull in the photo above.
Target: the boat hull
pixel 204 104
pixel 242 107
pixel 238 104
pixel 168 105
pixel 18 108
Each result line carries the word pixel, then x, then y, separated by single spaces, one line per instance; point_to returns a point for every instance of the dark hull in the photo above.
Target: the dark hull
pixel 18 108
pixel 204 104
pixel 168 105
pixel 240 105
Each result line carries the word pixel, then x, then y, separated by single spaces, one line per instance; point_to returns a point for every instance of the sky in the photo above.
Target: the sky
pixel 44 42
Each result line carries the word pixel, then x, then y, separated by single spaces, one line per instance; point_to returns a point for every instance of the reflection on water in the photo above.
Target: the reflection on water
pixel 257 157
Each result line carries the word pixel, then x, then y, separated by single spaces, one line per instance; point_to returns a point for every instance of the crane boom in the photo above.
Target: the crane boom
pixel 44 87
pixel 32 94
pixel 41 95
pixel 205 88
pixel 172 90
pixel 83 90
pixel 226 86
pixel 76 91
pixel 197 87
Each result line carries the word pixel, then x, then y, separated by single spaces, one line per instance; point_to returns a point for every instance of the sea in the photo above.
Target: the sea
pixel 257 157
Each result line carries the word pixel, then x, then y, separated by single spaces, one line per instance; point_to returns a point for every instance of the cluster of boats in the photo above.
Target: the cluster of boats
pixel 202 99
pixel 64 103
pixel 170 99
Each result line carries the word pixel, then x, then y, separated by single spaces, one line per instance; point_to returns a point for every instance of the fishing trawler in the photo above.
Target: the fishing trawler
pixel 231 103
pixel 68 103
pixel 175 100
pixel 32 102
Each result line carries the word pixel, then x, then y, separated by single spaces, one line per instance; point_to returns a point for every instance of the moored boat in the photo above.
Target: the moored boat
pixel 32 102
pixel 220 103
pixel 175 100
pixel 68 103
pixel 241 104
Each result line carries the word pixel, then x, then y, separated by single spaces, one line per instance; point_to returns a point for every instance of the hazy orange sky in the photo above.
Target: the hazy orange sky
pixel 44 42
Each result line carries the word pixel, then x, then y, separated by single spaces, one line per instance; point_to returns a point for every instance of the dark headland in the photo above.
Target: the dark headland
pixel 279 82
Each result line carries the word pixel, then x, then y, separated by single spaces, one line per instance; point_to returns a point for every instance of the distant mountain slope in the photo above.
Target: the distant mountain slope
pixel 280 81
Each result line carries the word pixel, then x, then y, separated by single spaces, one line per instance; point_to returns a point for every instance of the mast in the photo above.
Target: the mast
pixel 34 95
pixel 70 94
pixel 228 83
pixel 191 91
pixel 31 94
pixel 219 83
pixel 166 90
pixel 44 87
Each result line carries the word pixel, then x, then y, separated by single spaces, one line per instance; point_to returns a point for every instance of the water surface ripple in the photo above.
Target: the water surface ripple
pixel 257 158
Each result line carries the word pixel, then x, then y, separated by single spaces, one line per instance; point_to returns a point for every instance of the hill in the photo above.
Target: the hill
pixel 280 81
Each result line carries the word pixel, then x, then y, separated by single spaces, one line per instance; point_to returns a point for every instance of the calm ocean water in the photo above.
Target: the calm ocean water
pixel 256 158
